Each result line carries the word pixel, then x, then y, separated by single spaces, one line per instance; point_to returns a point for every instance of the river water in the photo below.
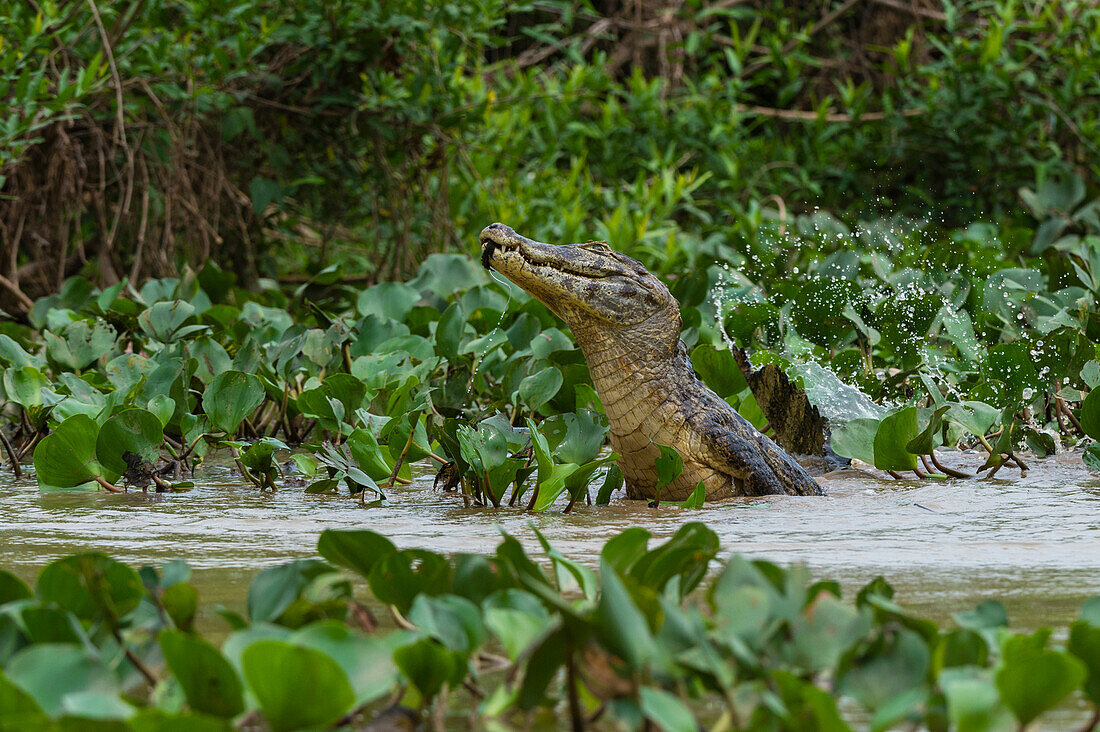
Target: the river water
pixel 1032 542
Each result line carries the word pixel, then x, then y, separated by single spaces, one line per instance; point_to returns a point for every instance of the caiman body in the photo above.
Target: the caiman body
pixel 628 325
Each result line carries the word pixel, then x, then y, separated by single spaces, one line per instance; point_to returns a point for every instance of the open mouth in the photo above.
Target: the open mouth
pixel 537 261
pixel 488 246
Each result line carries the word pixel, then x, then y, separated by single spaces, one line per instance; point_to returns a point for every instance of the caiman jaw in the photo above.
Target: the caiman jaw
pixel 497 238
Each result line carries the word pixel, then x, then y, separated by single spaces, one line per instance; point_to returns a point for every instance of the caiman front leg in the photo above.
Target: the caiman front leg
pixel 754 463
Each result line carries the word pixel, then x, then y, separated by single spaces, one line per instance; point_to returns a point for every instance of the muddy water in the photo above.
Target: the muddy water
pixel 1033 542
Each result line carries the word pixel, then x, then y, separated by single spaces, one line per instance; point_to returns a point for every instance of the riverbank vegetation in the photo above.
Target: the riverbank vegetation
pixel 249 226
pixel 499 641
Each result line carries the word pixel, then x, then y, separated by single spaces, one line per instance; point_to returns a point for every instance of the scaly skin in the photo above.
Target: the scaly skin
pixel 628 325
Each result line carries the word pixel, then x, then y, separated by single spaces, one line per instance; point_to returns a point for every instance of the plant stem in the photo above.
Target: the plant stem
pixel 108 485
pixel 11 455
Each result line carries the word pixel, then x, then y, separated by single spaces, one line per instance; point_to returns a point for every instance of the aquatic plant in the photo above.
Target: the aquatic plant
pixel 654 638
pixel 133 386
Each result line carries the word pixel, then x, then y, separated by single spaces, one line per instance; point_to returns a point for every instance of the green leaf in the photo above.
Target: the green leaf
pixel 397 578
pixel 80 344
pixel 367 662
pixel 273 589
pixel 12 588
pixel 231 397
pixel 263 191
pixel 666 710
pixel 135 431
pixel 894 433
pixel 392 300
pixel 719 370
pixel 23 385
pixel 50 672
pixel 428 665
pixel 973 704
pixel 612 482
pixel 620 623
pixel 357 550
pixel 669 467
pixel 296 687
pixel 1033 682
pixel 453 621
pixel 1084 643
pixel 18 709
pixel 66 458
pixel 208 680
pixel 697 498
pixel 856 439
pixel 91 586
pixel 164 321
pixel 540 387
pixel 1089 414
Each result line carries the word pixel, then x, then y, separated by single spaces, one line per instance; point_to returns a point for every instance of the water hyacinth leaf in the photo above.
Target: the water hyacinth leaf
pixel 230 398
pixel 392 300
pixel 164 407
pixel 977 418
pixel 181 602
pixel 275 588
pixel 1089 414
pixel 666 710
pixel 697 497
pixel 894 433
pixel 973 703
pixel 23 385
pixel 449 330
pixel 208 680
pixel 554 485
pixel 50 672
pixel 18 709
pixel 428 665
pixel 540 387
pixel 368 454
pixel 163 321
pixel 258 455
pixel 899 668
pixel 66 458
pixel 1084 643
pixel 453 621
pixel 12 588
pixel 718 369
pixel 612 482
pixel 827 629
pixel 620 623
pixel 925 442
pixel 1033 682
pixel 367 661
pixel 275 671
pixel 1090 373
pixel 575 437
pixel 91 586
pixel 397 578
pixel 856 439
pixel 357 550
pixel 132 432
pixel 1011 364
pixel 13 354
pixel 80 344
pixel 669 467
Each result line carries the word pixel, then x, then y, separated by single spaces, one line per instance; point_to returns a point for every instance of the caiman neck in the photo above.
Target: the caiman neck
pixel 632 363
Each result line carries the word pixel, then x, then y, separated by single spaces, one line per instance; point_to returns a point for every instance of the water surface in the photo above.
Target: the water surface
pixel 1033 542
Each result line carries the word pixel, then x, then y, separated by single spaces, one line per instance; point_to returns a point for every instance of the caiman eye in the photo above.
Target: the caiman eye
pixel 600 246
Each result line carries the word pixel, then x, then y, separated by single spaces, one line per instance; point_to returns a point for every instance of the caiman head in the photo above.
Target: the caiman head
pixel 594 289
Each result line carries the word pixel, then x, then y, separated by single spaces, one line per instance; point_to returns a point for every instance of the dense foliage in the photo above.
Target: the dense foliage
pixel 491 639
pixel 137 134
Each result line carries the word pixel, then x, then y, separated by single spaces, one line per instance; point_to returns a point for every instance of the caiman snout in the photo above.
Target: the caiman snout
pixel 492 237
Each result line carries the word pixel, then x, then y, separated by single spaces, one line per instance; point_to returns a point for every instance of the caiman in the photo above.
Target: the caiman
pixel 628 326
